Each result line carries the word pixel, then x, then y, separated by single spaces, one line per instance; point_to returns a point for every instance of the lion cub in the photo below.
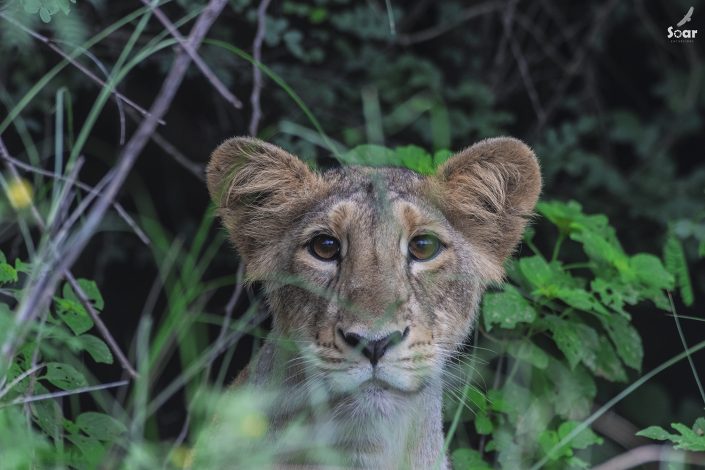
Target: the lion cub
pixel 372 277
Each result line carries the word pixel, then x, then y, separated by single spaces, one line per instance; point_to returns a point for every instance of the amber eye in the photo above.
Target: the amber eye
pixel 424 247
pixel 324 247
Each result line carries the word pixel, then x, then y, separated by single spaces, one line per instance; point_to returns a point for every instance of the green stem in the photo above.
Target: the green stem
pixel 557 246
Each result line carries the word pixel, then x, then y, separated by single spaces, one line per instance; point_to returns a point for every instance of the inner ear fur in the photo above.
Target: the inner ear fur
pixel 258 189
pixel 488 192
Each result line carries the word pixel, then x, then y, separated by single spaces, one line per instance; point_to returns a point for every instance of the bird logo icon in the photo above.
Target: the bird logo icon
pixel 686 18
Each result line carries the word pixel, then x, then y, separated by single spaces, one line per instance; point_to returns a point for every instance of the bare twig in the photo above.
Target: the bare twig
pixel 65 393
pixel 75 63
pixel 41 288
pixel 651 453
pixel 197 170
pixel 432 33
pixel 508 19
pixel 191 51
pixel 256 72
pixel 574 67
pixel 230 306
pixel 20 378
pixel 619 430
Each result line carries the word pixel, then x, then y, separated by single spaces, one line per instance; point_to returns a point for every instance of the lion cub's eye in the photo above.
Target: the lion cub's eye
pixel 324 247
pixel 424 247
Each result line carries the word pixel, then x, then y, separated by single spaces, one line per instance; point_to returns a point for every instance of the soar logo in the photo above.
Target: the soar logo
pixel 682 35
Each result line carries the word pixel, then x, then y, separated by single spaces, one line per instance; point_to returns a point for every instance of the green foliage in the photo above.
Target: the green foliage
pixel 687 438
pixel 674 257
pixel 582 307
pixel 79 443
pixel 47 8
pixel 410 156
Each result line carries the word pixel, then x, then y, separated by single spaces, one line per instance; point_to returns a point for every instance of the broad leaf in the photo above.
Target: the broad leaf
pixel 97 348
pixel 71 312
pixel 100 426
pixel 506 309
pixel 64 376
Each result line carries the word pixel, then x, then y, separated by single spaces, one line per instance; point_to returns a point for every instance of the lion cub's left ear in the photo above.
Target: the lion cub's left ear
pixel 488 192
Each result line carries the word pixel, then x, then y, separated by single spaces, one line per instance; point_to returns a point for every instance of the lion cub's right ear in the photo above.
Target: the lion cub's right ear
pixel 258 189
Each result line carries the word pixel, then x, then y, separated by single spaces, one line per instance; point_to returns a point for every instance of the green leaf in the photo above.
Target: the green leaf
pixel 650 271
pixel 562 215
pixel 548 440
pixel 573 390
pixel 468 459
pixel 100 426
pixel 626 339
pixel 483 424
pixel 414 158
pixel 91 452
pixel 571 338
pixel 582 440
pixel 74 315
pixel 369 155
pixel 8 274
pixel 692 439
pixel 506 308
pixel 607 363
pixel 64 376
pixel 97 349
pixel 47 413
pixel 676 264
pixel 440 157
pixel 90 288
pixel 22 267
pixel 529 352
pixel 497 401
pixel 537 271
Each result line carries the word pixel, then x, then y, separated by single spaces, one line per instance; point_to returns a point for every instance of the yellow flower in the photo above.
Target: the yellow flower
pixel 19 192
pixel 182 457
pixel 253 425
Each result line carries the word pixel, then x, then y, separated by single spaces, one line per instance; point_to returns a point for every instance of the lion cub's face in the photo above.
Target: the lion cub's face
pixel 375 274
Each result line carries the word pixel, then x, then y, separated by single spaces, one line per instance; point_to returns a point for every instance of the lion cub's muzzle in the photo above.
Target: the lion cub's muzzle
pixel 372 349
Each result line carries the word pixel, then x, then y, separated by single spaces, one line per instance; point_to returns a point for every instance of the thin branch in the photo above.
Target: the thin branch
pixel 574 67
pixel 432 33
pixel 508 19
pixel 651 453
pixel 116 205
pixel 20 378
pixel 65 393
pixel 75 63
pixel 256 72
pixel 188 47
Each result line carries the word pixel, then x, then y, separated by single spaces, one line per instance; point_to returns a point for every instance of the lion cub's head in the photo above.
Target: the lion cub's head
pixel 375 274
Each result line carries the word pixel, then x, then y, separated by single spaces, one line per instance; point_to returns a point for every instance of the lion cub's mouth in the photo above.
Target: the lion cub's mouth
pixel 377 387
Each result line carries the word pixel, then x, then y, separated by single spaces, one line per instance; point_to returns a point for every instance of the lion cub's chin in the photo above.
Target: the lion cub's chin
pixel 378 382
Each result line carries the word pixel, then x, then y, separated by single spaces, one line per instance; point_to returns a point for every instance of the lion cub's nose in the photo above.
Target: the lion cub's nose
pixel 373 349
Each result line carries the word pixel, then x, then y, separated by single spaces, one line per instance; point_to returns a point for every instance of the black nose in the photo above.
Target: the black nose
pixel 373 349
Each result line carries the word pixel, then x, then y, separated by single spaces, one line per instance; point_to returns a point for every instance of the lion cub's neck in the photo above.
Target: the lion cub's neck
pixel 371 428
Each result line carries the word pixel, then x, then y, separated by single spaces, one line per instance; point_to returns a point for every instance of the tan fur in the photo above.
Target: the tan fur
pixel 272 205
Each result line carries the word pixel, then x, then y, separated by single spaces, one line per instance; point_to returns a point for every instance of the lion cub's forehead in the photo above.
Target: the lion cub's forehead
pixel 374 198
